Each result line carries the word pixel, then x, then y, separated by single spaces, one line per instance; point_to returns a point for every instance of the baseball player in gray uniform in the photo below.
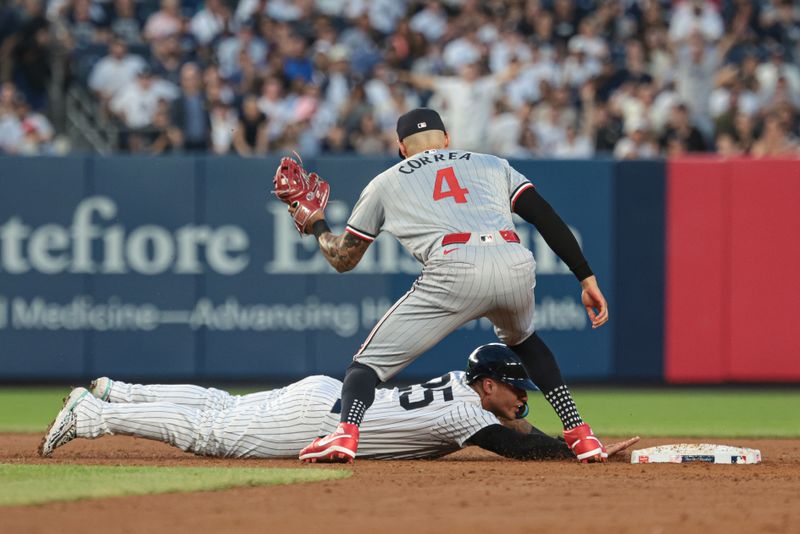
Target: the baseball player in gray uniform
pixel 452 210
pixel 420 421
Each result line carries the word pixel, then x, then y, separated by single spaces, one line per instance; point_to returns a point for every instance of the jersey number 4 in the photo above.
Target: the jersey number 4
pixel 454 189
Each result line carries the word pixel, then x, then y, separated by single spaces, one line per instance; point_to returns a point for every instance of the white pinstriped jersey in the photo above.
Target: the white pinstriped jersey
pixel 438 192
pixel 421 421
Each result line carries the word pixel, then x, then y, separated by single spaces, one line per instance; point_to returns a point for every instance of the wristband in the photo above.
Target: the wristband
pixel 319 228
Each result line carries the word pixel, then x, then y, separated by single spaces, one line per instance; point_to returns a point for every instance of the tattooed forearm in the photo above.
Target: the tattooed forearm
pixel 342 251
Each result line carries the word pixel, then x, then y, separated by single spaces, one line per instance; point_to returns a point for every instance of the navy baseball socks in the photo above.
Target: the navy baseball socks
pixel 541 365
pixel 358 394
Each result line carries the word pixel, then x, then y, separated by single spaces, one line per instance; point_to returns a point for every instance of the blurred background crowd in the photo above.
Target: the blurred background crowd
pixel 517 78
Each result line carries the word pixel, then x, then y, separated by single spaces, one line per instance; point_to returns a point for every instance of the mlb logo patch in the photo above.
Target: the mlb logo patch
pixel 421 125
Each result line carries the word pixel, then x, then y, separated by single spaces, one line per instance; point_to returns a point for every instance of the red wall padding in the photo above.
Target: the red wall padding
pixel 733 251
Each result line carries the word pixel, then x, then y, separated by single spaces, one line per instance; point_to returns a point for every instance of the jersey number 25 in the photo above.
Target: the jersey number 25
pixel 454 189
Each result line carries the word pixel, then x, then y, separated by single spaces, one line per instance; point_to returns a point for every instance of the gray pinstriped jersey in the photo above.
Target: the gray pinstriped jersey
pixel 421 421
pixel 438 192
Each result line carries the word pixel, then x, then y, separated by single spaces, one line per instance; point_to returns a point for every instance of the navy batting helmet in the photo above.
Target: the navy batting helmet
pixel 497 361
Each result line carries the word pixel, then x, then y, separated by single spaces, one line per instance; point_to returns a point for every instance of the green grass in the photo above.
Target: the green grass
pixel 36 484
pixel 660 412
pixel 32 409
pixel 681 412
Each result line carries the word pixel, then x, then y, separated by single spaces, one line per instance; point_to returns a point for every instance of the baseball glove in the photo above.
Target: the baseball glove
pixel 306 192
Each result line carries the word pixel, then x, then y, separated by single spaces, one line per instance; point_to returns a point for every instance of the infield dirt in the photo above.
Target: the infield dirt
pixel 471 491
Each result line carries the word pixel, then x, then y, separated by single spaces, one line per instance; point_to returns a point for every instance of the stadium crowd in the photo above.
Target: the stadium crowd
pixel 524 78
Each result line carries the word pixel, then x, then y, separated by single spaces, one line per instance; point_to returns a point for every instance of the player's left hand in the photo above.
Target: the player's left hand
pixel 305 193
pixel 314 217
pixel 594 302
pixel 616 448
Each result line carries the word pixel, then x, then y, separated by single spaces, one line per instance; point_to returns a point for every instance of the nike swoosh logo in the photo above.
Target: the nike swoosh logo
pixel 331 439
pixel 446 252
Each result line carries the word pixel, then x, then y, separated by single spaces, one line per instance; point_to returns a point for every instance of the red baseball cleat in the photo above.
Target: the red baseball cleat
pixel 341 446
pixel 585 445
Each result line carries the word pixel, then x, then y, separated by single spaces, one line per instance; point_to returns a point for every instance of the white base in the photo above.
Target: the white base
pixel 681 453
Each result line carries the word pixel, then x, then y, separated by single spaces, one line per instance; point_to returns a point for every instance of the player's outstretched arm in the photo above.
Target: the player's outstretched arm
pixel 513 444
pixel 536 210
pixel 531 445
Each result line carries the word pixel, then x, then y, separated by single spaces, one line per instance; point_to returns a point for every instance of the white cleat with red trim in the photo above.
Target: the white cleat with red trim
pixel 585 445
pixel 339 447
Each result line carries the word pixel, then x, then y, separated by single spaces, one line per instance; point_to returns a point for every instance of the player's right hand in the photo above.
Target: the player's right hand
pixel 616 448
pixel 594 302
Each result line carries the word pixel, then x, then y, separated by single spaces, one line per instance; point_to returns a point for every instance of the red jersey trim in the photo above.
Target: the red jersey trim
pixel 518 192
pixel 358 233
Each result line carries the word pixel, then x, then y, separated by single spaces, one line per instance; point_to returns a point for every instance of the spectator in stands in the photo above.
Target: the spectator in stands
pixel 223 125
pixel 250 137
pixel 588 41
pixel 637 143
pixel 508 46
pixel 680 130
pixel 326 71
pixel 296 63
pixel 164 22
pixel 337 85
pixel 404 46
pixel 527 146
pixel 467 101
pixel 503 131
pixel 213 20
pixel 27 55
pixel 463 51
pixel 84 25
pixel 695 17
pixel 125 22
pixel 275 106
pixel 115 71
pixel 336 140
pixel 362 49
pixel 367 139
pixel 355 108
pixel 23 131
pixel 136 104
pixel 7 93
pixel 378 88
pixel 775 140
pixel 777 68
pixel 574 145
pixel 216 88
pixel 190 112
pixel 696 64
pixel 167 137
pixel 229 49
pixel 727 147
pixel 167 59
pixel 11 133
pixel 744 131
pixel 549 129
pixel 780 20
pixel 245 78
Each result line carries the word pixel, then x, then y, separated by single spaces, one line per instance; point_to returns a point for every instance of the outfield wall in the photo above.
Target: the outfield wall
pixel 732 237
pixel 184 268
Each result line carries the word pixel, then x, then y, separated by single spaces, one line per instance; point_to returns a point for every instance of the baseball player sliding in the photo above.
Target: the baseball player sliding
pixel 420 421
pixel 452 210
